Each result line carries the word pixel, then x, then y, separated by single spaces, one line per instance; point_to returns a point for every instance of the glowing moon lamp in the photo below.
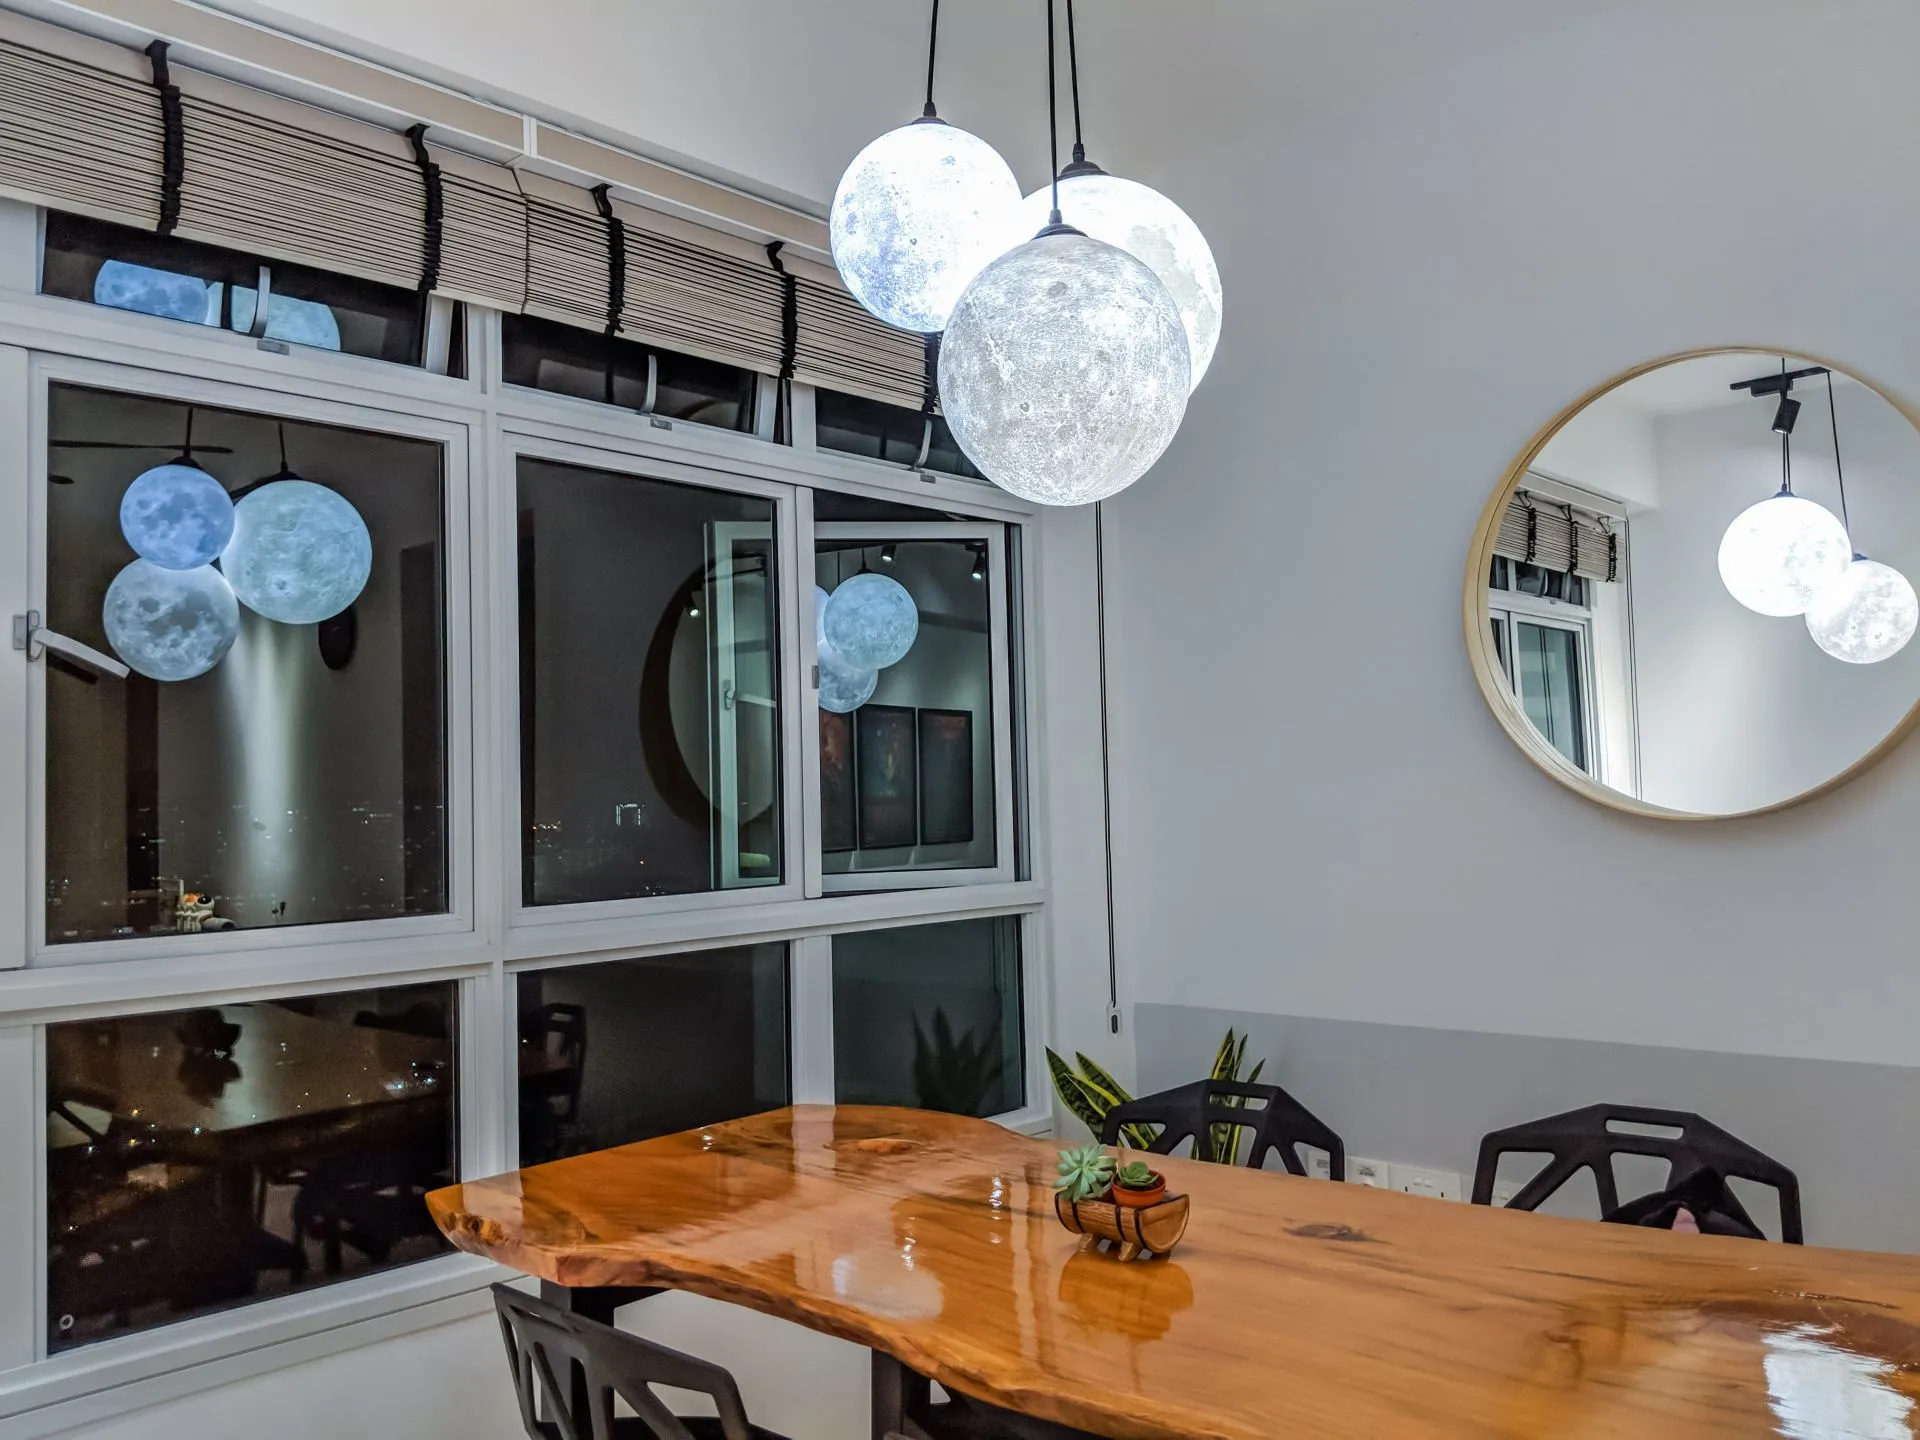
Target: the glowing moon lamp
pixel 142 288
pixel 1065 370
pixel 870 622
pixel 177 516
pixel 1156 232
pixel 820 598
pixel 300 553
pixel 1866 615
pixel 918 214
pixel 843 688
pixel 1777 555
pixel 170 624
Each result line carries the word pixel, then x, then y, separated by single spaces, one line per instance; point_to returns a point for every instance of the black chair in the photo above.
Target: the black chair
pixel 1212 1112
pixel 1588 1140
pixel 550 1349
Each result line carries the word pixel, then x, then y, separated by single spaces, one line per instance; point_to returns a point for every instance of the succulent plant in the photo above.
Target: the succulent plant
pixel 1085 1171
pixel 1136 1175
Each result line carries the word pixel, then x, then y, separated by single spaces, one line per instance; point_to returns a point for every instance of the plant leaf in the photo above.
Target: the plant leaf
pixel 1100 1079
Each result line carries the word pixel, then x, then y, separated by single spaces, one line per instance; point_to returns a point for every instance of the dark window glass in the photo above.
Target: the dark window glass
pixel 649 687
pixel 546 355
pixel 203 1158
pixel 930 1016
pixel 1497 574
pixel 183 280
pixel 907 778
pixel 628 1049
pixel 1531 579
pixel 301 778
pixel 859 426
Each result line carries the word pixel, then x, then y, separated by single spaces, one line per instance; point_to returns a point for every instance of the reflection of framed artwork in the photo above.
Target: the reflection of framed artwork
pixel 836 782
pixel 946 777
pixel 885 760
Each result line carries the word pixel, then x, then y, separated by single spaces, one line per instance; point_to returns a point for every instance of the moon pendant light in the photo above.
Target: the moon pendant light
pixel 918 214
pixel 300 552
pixel 178 516
pixel 1868 613
pixel 170 624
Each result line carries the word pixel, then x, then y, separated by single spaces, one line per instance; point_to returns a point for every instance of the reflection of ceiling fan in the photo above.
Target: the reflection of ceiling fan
pixel 122 445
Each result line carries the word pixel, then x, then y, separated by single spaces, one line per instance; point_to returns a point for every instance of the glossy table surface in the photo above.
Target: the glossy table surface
pixel 1293 1307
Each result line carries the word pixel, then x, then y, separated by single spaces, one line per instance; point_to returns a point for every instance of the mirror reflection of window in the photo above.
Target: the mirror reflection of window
pixel 1612 628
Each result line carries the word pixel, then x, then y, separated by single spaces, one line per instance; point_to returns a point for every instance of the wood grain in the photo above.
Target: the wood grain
pixel 1292 1307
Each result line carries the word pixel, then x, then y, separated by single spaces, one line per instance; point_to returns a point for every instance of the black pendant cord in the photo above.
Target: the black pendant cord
pixel 616 275
pixel 1053 121
pixel 1073 84
pixel 186 450
pixel 1106 762
pixel 1786 449
pixel 1839 473
pixel 933 46
pixel 173 144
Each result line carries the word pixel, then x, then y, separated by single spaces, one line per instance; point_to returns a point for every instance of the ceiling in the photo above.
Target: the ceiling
pixel 778 97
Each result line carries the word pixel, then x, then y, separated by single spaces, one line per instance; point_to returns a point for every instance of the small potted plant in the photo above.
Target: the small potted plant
pixel 1137 1184
pixel 1086 1172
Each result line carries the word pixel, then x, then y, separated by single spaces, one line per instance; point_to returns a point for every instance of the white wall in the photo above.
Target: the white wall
pixel 1739 710
pixel 1607 449
pixel 1325 820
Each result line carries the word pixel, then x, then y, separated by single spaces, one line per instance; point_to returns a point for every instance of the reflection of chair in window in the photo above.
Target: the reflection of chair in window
pixel 553 1059
pixel 426 1018
pixel 369 1195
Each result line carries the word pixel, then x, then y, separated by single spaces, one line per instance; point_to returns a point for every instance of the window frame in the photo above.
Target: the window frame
pixel 1509 608
pixel 476 944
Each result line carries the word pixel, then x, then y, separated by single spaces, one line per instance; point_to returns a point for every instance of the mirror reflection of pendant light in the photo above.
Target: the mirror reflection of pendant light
pixel 1869 611
pixel 919 213
pixel 1142 222
pixel 1065 369
pixel 1776 556
pixel 177 515
pixel 300 552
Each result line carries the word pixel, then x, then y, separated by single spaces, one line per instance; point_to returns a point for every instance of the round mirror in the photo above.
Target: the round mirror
pixel 1691 595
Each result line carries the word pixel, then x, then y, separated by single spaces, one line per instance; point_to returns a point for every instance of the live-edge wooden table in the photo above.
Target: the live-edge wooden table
pixel 1293 1307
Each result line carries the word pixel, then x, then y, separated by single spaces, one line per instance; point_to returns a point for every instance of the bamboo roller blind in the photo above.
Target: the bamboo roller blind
pixel 81 129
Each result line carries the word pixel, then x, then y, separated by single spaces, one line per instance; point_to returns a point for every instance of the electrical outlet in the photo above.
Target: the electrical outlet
pixel 1369 1172
pixel 1319 1165
pixel 1422 1180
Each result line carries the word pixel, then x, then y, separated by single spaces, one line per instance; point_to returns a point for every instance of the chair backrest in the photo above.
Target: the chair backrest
pixel 550 1349
pixel 1589 1138
pixel 1215 1113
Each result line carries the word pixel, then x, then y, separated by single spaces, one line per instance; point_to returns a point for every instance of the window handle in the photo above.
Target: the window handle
pixel 34 638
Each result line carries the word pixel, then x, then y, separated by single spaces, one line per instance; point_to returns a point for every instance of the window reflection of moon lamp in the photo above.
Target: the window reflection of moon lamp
pixel 177 516
pixel 170 624
pixel 142 288
pixel 300 552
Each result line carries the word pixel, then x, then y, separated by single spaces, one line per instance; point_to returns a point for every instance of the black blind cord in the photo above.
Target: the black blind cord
pixel 616 275
pixel 1839 474
pixel 789 335
pixel 930 374
pixel 173 144
pixel 933 45
pixel 434 236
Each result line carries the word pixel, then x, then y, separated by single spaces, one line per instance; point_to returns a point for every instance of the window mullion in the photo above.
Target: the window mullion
pixel 18 456
pixel 803 696
pixel 21 1189
pixel 811 986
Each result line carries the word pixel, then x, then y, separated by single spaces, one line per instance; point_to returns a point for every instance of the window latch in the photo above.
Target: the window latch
pixel 35 639
pixel 727 696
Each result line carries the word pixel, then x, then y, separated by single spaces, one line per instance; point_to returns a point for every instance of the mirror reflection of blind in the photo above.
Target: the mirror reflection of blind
pixel 1560 537
pixel 81 130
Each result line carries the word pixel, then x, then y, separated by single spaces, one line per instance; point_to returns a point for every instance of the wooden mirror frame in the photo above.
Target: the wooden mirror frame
pixel 1478 613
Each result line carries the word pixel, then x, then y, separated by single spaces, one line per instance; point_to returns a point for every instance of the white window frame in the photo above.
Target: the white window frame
pixel 483 942
pixel 1509 607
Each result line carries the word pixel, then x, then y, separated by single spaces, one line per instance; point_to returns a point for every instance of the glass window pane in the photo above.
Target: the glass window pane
pixel 302 778
pixel 855 425
pixel 649 701
pixel 566 360
pixel 628 1049
pixel 907 778
pixel 1550 687
pixel 199 1159
pixel 129 269
pixel 930 1016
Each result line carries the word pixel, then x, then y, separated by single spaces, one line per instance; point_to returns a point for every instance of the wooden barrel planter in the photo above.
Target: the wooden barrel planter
pixel 1134 1230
